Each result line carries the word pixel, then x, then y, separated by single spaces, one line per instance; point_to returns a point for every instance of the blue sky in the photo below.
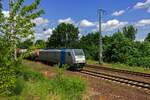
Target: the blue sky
pixel 83 13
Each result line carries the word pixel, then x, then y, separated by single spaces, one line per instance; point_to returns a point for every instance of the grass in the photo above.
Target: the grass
pixel 122 66
pixel 36 66
pixel 68 88
pixel 31 85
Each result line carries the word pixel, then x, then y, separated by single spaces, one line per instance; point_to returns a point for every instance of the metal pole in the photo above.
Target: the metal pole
pixel 66 40
pixel 100 12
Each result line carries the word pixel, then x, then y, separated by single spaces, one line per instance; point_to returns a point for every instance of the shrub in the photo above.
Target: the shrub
pixel 69 88
pixel 28 75
pixel 7 80
pixel 144 61
pixel 141 61
pixel 20 85
pixel 32 85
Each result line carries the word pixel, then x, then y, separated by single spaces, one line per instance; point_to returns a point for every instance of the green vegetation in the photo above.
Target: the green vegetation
pixel 129 32
pixel 13 29
pixel 70 88
pixel 147 38
pixel 25 44
pixel 126 67
pixel 90 45
pixel 17 82
pixel 118 48
pixel 40 44
pixel 32 85
pixel 121 47
pixel 64 35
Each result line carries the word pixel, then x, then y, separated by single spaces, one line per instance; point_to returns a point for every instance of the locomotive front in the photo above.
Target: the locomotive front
pixel 79 58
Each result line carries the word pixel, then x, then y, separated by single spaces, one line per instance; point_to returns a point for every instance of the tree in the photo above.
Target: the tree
pixel 64 35
pixel 1 9
pixel 130 32
pixel 90 44
pixel 118 49
pixel 13 29
pixel 90 39
pixel 26 44
pixel 1 16
pixel 147 38
pixel 40 44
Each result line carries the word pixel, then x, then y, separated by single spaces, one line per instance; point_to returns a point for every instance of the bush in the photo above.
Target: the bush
pixel 141 61
pixel 32 85
pixel 144 61
pixel 68 88
pixel 28 75
pixel 20 85
pixel 7 80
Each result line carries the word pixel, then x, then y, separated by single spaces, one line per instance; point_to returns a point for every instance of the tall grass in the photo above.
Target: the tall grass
pixel 33 86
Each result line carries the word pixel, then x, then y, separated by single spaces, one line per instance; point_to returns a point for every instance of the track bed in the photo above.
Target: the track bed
pixel 123 73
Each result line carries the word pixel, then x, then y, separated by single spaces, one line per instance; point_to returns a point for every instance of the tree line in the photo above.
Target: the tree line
pixel 120 47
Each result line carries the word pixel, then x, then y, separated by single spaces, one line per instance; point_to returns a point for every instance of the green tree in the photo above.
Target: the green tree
pixel 1 16
pixel 26 44
pixel 90 39
pixel 64 35
pixel 118 48
pixel 40 44
pixel 147 38
pixel 90 44
pixel 13 29
pixel 1 9
pixel 130 32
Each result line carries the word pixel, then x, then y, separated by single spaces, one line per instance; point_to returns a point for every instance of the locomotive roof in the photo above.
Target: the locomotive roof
pixel 57 49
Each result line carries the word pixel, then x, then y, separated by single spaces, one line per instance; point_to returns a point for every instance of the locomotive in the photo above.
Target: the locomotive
pixel 75 58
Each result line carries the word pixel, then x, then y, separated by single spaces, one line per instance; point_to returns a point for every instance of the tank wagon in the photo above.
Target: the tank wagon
pixel 75 58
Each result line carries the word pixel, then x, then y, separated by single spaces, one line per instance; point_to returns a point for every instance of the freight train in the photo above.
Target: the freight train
pixel 75 58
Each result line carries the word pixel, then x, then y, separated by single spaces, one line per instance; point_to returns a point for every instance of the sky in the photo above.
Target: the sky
pixel 84 14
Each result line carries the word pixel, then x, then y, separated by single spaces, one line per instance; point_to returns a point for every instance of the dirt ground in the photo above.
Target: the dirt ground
pixel 100 89
pixel 106 90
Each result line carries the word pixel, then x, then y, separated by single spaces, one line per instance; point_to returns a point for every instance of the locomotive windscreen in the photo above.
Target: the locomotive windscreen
pixel 78 52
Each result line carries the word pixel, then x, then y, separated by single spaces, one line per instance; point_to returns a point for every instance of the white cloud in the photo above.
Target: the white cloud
pixel 118 13
pixel 48 31
pixel 86 23
pixel 6 13
pixel 143 22
pixel 111 25
pixel 80 35
pixel 40 21
pixel 68 21
pixel 141 5
pixel 44 35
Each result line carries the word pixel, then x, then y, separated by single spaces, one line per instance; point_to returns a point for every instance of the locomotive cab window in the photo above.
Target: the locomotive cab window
pixel 78 52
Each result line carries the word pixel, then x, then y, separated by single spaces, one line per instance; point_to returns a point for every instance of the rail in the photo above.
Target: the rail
pixel 119 70
pixel 131 82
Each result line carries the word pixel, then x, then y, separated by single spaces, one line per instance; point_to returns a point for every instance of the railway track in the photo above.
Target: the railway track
pixel 119 70
pixel 134 83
